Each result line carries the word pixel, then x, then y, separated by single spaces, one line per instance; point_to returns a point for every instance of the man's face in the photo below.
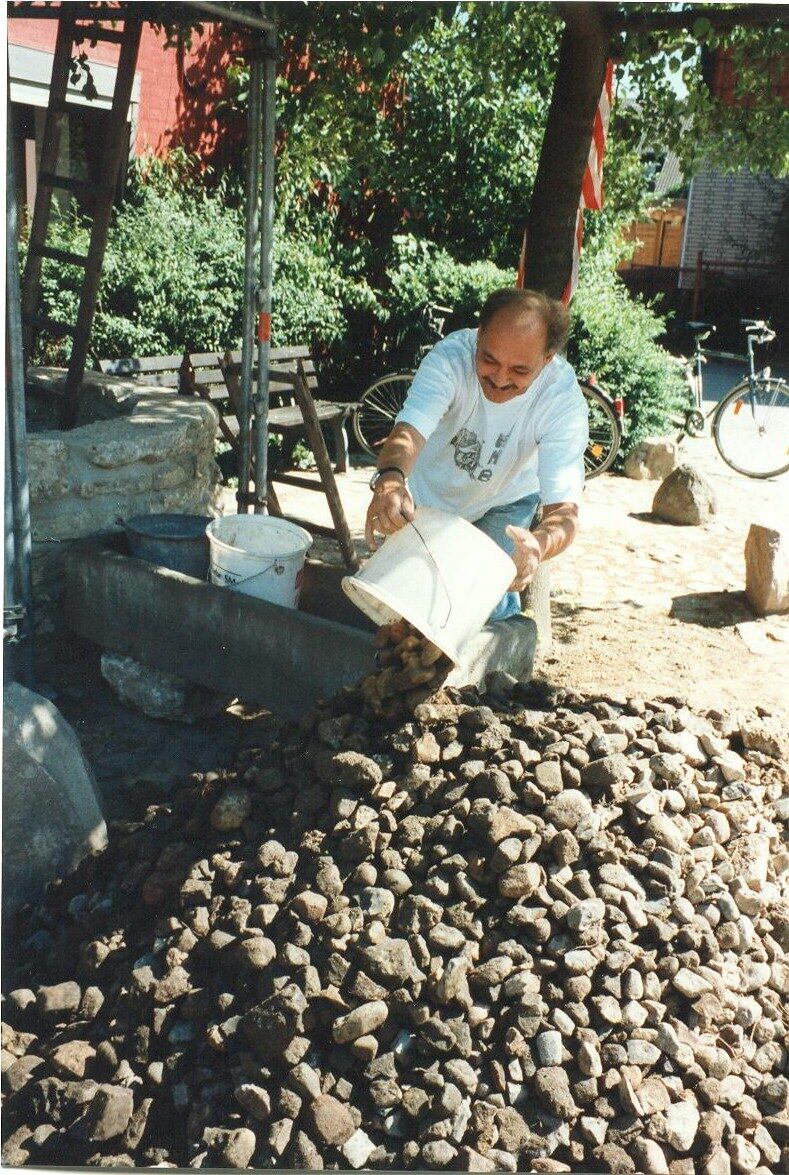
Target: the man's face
pixel 510 355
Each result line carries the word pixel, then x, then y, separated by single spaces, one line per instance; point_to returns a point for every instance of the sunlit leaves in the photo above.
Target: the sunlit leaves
pixel 743 123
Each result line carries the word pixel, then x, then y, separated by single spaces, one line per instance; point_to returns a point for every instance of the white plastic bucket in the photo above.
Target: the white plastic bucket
pixel 259 556
pixel 440 573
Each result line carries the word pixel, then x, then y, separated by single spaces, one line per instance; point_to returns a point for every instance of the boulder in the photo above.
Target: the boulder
pixel 685 498
pixel 158 694
pixel 652 459
pixel 52 815
pixel 767 569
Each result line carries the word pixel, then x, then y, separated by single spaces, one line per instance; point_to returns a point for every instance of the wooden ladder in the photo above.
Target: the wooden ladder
pixel 327 484
pixel 71 30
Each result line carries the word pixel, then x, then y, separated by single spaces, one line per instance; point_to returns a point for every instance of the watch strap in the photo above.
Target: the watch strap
pixel 379 473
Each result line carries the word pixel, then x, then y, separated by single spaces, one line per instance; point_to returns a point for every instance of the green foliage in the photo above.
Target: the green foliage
pixel 173 274
pixel 462 155
pixel 668 76
pixel 420 272
pixel 338 62
pixel 441 139
pixel 387 330
pixel 615 337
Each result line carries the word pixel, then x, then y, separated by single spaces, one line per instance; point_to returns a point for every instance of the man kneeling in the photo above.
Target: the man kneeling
pixel 494 426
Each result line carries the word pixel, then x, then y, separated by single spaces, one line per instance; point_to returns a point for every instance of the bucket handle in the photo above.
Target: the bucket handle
pixel 438 573
pixel 257 574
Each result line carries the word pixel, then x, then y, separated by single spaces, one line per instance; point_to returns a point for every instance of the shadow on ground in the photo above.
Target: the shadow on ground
pixel 136 760
pixel 712 609
pixel 648 516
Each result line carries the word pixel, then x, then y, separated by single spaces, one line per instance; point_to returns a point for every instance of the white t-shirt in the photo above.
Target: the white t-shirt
pixel 480 454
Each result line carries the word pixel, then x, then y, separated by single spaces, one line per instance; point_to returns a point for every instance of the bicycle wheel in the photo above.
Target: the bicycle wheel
pixel 605 432
pixel 751 428
pixel 378 406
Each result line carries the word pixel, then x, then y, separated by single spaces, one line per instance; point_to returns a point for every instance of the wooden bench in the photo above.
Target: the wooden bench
pixel 202 374
pixel 292 409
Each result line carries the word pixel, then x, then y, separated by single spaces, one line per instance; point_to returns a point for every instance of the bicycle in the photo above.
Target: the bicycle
pixel 379 404
pixel 750 425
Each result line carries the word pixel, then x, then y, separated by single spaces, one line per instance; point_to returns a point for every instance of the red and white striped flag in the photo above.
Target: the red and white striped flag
pixel 591 187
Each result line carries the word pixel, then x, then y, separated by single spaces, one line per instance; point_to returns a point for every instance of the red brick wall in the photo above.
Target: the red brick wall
pixel 178 90
pixel 776 72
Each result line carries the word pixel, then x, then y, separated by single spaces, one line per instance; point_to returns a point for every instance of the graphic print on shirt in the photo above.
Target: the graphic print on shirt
pixel 498 448
pixel 468 450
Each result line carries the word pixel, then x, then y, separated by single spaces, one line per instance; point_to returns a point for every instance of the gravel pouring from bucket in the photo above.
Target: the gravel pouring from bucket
pixel 440 573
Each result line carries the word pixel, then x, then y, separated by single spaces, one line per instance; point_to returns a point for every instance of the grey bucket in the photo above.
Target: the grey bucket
pixel 177 541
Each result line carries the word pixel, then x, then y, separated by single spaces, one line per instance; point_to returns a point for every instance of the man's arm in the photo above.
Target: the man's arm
pixel 392 505
pixel 557 529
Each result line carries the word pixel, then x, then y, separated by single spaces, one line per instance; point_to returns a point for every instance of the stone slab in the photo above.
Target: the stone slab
pixel 767 568
pixel 158 694
pixel 101 396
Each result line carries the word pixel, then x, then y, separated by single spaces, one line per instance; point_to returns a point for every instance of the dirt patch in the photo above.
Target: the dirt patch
pixel 654 609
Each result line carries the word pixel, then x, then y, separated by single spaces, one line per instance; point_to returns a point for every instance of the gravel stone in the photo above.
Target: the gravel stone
pixel 61 999
pixel 231 1148
pixel 521 881
pixel 569 809
pixel 549 1048
pixel 231 809
pixel 453 936
pixel 329 1121
pixel 552 1087
pixel 357 1149
pixel 108 1113
pixel 72 1059
pixel 362 1021
pixel 681 1123
pixel 649 1157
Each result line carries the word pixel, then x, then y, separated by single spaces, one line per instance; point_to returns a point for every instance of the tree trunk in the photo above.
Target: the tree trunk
pixel 579 80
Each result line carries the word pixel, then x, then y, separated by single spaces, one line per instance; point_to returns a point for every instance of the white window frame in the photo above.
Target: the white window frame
pixel 30 73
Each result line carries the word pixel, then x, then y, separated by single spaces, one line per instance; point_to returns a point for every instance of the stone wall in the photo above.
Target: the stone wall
pixel 159 459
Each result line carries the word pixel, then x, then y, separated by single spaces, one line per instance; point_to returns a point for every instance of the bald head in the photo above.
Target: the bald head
pixel 512 349
pixel 529 313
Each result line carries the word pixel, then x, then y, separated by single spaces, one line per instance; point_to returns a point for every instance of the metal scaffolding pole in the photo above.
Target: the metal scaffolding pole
pixel 266 267
pixel 18 598
pixel 252 232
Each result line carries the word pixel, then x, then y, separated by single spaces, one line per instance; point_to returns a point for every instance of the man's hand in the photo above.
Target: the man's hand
pixel 527 556
pixel 556 531
pixel 391 508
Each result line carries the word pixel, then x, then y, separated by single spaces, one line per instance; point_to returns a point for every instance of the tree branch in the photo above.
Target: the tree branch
pixel 721 19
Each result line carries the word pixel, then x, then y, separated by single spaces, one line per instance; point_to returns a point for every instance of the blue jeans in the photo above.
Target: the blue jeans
pixel 494 524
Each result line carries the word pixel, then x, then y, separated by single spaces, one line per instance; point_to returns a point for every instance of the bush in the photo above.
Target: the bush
pixel 173 277
pixel 615 337
pixel 385 332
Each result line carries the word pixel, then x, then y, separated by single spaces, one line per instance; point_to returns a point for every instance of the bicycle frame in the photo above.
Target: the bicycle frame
pixel 694 369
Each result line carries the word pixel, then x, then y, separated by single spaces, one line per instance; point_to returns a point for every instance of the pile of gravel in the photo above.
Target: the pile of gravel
pixel 499 936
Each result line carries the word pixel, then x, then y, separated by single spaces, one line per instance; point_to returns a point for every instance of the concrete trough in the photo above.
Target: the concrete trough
pixel 280 658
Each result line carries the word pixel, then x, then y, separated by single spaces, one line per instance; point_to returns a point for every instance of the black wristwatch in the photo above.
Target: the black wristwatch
pixel 379 473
